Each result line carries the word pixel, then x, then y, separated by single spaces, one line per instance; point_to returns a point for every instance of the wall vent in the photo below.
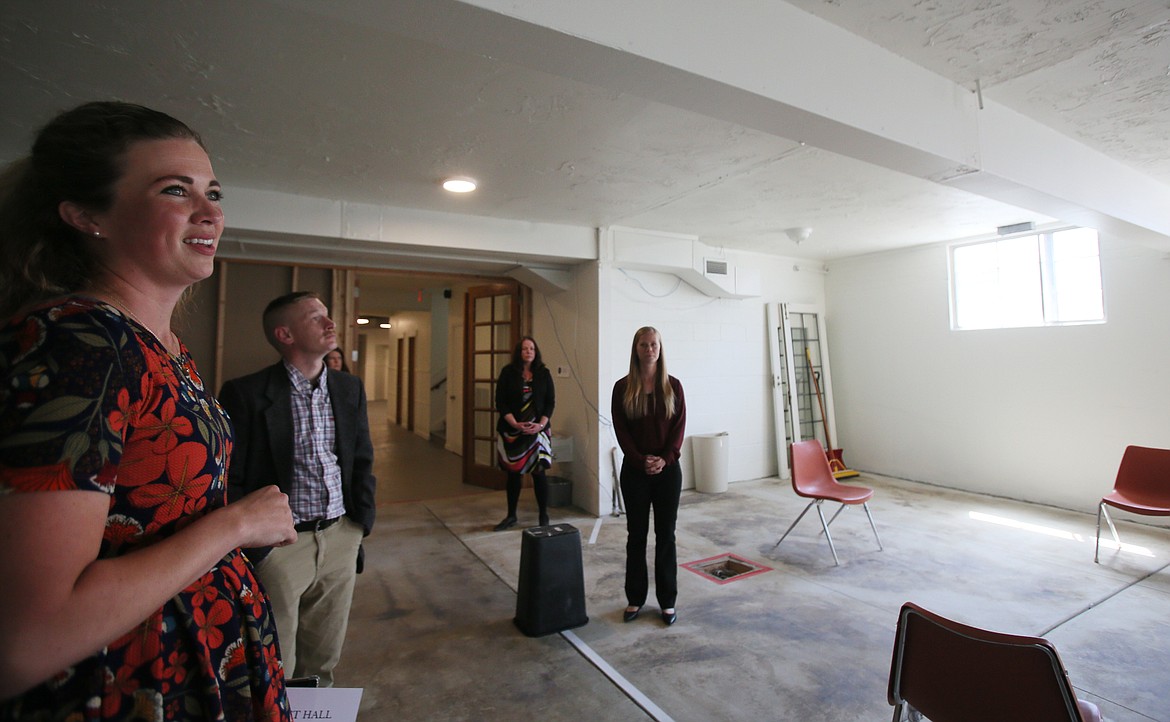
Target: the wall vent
pixel 716 268
pixel 1025 227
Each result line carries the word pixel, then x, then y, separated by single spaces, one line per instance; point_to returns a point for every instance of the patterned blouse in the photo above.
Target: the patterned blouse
pixel 90 400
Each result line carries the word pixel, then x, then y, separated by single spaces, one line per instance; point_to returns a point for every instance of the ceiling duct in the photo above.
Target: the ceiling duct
pixel 699 265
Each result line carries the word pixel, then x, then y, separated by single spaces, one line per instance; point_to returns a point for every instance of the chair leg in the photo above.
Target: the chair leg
pixel 1112 528
pixel 1097 551
pixel 836 514
pixel 793 525
pixel 828 536
pixel 1102 510
pixel 911 714
pixel 869 516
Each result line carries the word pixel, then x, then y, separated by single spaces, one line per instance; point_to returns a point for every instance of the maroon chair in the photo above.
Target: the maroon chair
pixel 813 479
pixel 951 672
pixel 1142 487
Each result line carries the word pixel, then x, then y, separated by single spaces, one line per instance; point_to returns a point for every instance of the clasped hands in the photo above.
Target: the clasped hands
pixel 529 427
pixel 654 464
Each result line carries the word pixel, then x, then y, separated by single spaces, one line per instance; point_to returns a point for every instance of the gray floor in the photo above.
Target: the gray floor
pixel 431 635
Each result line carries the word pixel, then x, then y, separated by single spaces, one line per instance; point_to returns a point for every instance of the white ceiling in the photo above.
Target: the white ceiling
pixel 374 101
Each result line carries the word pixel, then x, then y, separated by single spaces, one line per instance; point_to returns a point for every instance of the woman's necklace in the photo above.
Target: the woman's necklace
pixel 168 343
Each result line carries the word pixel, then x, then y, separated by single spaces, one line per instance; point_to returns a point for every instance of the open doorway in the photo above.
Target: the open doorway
pixel 401 326
pixel 411 348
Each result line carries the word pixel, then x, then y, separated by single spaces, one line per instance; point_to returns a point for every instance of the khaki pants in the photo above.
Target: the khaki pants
pixel 310 586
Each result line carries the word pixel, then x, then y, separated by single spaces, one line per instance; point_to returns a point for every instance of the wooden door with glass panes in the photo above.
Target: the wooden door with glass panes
pixel 493 328
pixel 799 354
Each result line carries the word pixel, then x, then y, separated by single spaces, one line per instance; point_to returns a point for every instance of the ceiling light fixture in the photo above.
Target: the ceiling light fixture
pixel 363 321
pixel 459 184
pixel 798 235
pixel 384 325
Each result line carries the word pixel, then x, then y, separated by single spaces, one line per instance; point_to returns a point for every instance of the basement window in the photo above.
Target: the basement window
pixel 1040 279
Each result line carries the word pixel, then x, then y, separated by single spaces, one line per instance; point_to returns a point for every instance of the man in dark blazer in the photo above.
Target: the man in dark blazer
pixel 305 429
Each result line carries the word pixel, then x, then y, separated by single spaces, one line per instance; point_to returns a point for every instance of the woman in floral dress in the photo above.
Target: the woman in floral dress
pixel 126 596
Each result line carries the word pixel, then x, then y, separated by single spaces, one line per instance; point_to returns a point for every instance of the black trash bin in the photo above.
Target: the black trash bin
pixel 551 594
pixel 560 491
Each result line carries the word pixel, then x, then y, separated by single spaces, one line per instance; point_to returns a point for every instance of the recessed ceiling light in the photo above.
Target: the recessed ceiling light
pixel 384 325
pixel 363 321
pixel 459 184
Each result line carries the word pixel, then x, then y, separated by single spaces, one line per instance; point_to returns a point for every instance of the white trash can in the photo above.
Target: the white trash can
pixel 711 453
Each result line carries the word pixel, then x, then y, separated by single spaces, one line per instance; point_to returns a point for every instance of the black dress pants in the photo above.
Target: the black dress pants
pixel 644 493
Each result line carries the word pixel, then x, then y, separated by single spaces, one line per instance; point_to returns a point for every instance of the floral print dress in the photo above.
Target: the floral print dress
pixel 91 400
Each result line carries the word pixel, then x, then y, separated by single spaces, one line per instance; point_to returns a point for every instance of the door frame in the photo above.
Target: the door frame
pixel 519 321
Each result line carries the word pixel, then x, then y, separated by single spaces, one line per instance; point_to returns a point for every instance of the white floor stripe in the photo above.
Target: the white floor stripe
pixel 596 529
pixel 622 683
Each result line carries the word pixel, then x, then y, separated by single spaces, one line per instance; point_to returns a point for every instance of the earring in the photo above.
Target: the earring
pixel 98 234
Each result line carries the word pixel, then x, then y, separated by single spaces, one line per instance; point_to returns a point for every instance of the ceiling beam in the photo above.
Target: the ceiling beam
pixel 775 68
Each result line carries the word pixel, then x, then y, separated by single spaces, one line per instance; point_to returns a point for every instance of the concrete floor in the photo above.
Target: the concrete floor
pixel 431 635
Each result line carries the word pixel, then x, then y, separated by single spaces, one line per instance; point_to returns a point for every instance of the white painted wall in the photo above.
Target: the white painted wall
pixel 565 328
pixel 1039 414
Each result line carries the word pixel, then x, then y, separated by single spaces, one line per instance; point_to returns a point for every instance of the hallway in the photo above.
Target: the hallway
pixel 409 468
pixel 431 634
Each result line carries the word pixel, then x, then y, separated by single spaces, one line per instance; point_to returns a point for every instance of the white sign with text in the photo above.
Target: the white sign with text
pixel 336 704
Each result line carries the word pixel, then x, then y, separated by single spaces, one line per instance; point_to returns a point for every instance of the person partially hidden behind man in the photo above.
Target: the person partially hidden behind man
pixel 305 429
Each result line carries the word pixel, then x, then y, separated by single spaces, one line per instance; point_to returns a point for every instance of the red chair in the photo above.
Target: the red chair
pixel 1142 487
pixel 813 479
pixel 951 672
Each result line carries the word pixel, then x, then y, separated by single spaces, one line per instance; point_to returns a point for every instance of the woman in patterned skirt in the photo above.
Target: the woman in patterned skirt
pixel 127 596
pixel 525 399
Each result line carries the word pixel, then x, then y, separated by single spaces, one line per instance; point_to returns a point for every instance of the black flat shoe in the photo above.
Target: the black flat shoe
pixel 507 523
pixel 628 616
pixel 669 618
pixel 544 519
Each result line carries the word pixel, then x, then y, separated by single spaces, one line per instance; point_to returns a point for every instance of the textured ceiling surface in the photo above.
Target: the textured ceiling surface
pixel 1098 71
pixel 345 102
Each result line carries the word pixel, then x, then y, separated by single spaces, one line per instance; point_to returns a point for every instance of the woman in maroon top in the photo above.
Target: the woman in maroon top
pixel 649 418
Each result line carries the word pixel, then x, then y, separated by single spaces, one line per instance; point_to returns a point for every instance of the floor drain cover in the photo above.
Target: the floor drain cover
pixel 726 568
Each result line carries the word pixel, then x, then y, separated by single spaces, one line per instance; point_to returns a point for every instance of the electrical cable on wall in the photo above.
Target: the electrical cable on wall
pixel 677 285
pixel 594 474
pixel 678 282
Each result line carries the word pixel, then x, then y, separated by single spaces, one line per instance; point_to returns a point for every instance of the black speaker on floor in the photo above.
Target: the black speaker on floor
pixel 551 594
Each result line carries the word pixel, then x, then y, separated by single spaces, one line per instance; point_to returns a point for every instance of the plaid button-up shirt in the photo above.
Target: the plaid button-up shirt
pixel 316 478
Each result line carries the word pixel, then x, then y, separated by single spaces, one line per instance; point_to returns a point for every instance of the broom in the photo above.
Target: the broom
pixel 836 460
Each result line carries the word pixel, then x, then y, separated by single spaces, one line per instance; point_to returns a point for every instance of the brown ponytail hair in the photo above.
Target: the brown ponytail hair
pixel 76 157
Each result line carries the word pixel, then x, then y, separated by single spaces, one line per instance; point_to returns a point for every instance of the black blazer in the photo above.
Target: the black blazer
pixel 260 407
pixel 544 398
